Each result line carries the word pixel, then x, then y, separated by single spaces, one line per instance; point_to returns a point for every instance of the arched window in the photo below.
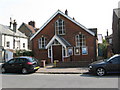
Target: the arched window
pixel 80 40
pixel 42 42
pixel 60 27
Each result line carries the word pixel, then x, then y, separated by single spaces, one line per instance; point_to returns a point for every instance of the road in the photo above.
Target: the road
pixel 36 80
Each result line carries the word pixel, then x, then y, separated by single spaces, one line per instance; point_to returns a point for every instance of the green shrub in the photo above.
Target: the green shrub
pixel 23 53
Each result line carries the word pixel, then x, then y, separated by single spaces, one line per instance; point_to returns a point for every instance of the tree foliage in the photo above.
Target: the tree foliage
pixel 103 48
pixel 23 53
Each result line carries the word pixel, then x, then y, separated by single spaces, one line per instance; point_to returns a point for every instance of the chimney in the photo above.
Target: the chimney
pixel 73 18
pixel 14 26
pixel 32 23
pixel 66 12
pixel 107 32
pixel 10 22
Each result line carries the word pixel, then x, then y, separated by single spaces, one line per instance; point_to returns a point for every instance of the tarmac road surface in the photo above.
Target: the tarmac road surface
pixel 36 80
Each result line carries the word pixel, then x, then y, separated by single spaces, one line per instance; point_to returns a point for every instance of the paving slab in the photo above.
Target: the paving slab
pixel 55 70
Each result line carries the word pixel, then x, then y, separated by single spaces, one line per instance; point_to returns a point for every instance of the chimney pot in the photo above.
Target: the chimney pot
pixel 10 22
pixel 14 26
pixel 73 18
pixel 107 32
pixel 66 12
pixel 32 23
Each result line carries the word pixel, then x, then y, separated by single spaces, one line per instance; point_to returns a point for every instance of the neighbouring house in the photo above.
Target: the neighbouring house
pixel 1 48
pixel 116 31
pixel 62 38
pixel 29 30
pixel 11 40
pixel 108 39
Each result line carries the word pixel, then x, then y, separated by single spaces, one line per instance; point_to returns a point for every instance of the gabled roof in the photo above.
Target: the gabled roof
pixel 61 40
pixel 31 28
pixel 59 12
pixel 6 30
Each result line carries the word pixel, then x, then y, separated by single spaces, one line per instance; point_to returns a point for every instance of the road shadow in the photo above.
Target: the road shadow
pixel 15 74
pixel 106 76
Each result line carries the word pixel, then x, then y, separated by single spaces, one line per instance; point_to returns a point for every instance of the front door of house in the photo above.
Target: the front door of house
pixel 57 52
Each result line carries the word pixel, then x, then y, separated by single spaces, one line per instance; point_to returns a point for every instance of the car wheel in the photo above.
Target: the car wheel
pixel 24 71
pixel 3 70
pixel 100 72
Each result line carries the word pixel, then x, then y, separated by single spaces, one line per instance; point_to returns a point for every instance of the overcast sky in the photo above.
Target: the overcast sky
pixel 90 13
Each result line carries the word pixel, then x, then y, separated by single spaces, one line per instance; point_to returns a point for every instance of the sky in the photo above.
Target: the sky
pixel 90 13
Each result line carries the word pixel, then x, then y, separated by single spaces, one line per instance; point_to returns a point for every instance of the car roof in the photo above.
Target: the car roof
pixel 116 55
pixel 24 57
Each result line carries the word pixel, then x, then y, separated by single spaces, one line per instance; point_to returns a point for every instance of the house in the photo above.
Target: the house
pixel 64 39
pixel 1 48
pixel 11 40
pixel 29 30
pixel 116 31
pixel 109 40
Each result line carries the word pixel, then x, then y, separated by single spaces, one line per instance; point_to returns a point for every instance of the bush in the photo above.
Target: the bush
pixel 23 53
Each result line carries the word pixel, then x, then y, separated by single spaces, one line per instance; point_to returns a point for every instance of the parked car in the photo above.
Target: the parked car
pixel 102 67
pixel 22 64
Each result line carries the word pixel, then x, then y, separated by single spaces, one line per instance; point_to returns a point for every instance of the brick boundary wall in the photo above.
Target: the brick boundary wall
pixel 73 64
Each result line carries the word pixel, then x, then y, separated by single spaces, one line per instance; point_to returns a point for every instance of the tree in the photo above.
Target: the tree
pixel 103 48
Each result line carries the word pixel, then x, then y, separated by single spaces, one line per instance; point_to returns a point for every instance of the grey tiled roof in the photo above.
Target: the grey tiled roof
pixel 64 41
pixel 6 30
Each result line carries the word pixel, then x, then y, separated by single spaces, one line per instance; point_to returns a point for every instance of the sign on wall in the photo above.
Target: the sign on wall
pixel 84 50
pixel 70 51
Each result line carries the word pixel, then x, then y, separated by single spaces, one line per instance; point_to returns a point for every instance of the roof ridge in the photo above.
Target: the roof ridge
pixel 68 17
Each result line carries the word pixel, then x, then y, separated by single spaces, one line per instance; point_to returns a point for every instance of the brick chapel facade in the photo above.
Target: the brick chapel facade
pixel 64 39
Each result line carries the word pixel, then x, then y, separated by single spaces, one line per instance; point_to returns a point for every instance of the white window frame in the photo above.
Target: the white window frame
pixel 40 43
pixel 8 44
pixel 57 30
pixel 77 39
pixel 23 45
pixel 75 50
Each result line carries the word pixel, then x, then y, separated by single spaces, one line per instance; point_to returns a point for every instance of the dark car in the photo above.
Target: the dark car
pixel 102 67
pixel 21 64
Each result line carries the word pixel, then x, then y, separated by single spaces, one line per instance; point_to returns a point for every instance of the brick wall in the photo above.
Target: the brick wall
pixel 71 31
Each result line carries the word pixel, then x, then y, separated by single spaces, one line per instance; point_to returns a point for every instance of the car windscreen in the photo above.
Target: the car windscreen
pixel 112 57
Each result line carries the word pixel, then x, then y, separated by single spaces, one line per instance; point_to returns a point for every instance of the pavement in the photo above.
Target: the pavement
pixel 50 69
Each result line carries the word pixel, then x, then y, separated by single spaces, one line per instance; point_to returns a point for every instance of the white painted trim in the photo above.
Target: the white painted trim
pixel 52 55
pixel 57 38
pixel 62 53
pixel 59 12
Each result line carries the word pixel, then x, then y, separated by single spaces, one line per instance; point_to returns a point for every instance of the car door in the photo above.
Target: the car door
pixel 18 64
pixel 119 64
pixel 113 65
pixel 9 66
